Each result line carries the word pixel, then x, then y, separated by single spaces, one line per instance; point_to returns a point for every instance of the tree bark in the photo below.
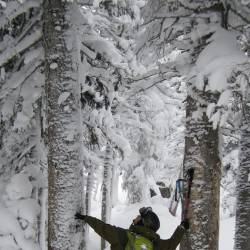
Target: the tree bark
pixel 63 125
pixel 242 227
pixel 202 154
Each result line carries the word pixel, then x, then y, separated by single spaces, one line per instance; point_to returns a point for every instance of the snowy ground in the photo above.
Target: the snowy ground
pixel 122 216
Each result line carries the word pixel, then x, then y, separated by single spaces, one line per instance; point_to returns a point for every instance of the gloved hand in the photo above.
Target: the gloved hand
pixel 185 224
pixel 79 216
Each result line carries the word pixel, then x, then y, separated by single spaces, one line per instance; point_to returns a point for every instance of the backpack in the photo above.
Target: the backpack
pixel 138 242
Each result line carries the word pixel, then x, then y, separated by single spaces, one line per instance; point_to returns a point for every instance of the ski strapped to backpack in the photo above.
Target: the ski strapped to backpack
pixel 181 195
pixel 178 195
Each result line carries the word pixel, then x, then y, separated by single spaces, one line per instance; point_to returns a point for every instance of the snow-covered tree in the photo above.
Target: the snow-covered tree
pixel 119 74
pixel 242 241
pixel 63 117
pixel 104 44
pixel 238 13
pixel 106 187
pixel 23 163
pixel 186 36
pixel 151 120
pixel 238 19
pixel 104 69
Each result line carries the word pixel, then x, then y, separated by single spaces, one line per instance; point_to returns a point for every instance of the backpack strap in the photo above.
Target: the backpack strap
pixel 131 239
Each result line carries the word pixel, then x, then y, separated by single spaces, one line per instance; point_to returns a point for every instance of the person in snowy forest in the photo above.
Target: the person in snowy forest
pixel 145 225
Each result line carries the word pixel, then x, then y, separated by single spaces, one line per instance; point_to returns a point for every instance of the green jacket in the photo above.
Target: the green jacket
pixel 118 238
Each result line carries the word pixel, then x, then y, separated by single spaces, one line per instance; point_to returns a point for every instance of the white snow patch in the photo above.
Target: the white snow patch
pixel 21 120
pixel 66 108
pixel 2 73
pixel 63 97
pixel 3 4
pixel 10 226
pixel 210 109
pixel 98 97
pixel 32 55
pixel 218 59
pixel 7 243
pixel 88 52
pixel 7 108
pixel 69 42
pixel 224 97
pixel 106 48
pixel 53 65
pixel 245 2
pixel 226 237
pixel 58 28
pixel 224 118
pixel 19 187
pixel 215 119
pixel 31 91
pixel 27 209
pixel 97 2
pixel 196 115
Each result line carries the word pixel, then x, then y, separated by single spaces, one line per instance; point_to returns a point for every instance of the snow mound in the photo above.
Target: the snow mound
pixel 19 187
pixel 11 234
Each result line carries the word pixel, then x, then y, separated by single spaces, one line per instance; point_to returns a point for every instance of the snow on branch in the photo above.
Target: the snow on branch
pixel 149 82
pixel 29 25
pixel 20 47
pixel 15 8
pixel 19 77
pixel 240 9
pixel 3 4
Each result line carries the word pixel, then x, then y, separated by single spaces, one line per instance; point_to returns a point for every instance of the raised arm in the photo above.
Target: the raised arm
pixel 114 235
pixel 174 241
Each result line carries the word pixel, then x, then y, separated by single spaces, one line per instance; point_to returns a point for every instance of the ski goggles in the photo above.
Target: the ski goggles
pixel 144 210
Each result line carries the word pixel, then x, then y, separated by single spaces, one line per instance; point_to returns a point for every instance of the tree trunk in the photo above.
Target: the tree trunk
pixel 202 154
pixel 64 125
pixel 106 189
pixel 242 228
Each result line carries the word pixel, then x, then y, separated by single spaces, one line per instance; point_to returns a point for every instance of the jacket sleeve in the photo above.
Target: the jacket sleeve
pixel 114 235
pixel 174 241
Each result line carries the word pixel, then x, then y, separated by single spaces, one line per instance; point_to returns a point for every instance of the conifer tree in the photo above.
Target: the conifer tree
pixel 63 116
pixel 180 25
pixel 21 129
pixel 238 13
pixel 242 228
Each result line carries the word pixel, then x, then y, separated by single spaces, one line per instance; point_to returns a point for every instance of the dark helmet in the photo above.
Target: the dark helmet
pixel 149 218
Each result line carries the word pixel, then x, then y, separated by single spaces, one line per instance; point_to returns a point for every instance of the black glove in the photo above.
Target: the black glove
pixel 185 224
pixel 79 216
